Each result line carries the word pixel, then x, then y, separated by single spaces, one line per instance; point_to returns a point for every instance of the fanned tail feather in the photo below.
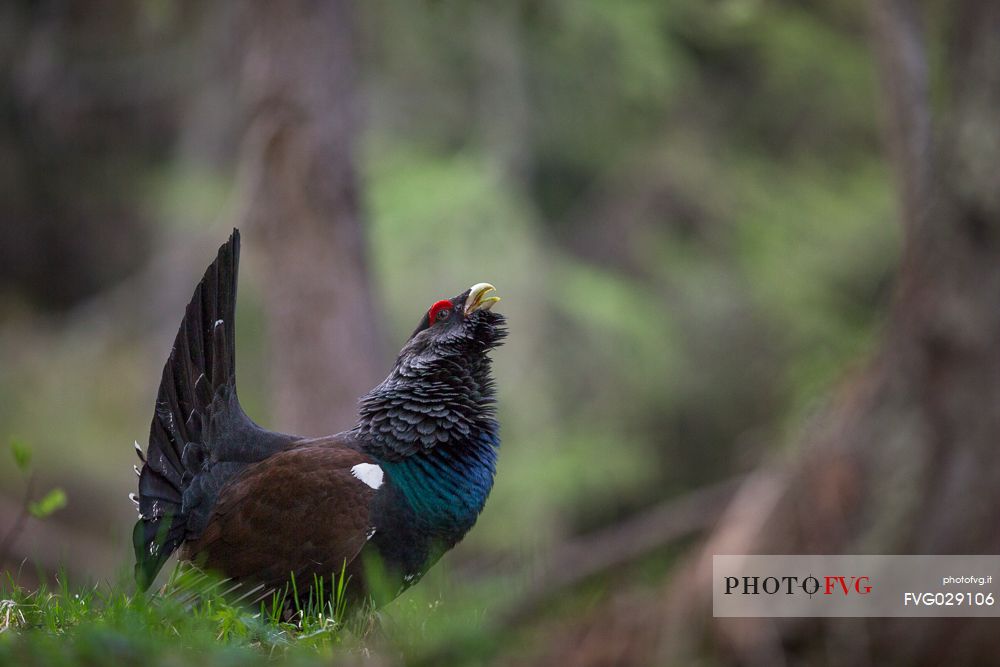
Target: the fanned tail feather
pixel 200 368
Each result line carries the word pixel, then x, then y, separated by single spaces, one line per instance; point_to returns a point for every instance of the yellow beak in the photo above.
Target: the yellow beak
pixel 478 300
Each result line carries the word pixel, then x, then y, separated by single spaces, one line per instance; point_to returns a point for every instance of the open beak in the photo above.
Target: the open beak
pixel 478 300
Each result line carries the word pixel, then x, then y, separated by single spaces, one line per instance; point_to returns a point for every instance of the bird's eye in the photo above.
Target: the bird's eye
pixel 439 311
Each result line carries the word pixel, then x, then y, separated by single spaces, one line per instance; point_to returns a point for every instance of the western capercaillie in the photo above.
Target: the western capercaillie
pixel 398 489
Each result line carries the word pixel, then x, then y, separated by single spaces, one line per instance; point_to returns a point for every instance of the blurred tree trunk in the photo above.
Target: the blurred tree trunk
pixel 302 204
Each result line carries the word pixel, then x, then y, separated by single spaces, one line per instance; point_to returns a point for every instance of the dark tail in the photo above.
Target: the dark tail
pixel 200 367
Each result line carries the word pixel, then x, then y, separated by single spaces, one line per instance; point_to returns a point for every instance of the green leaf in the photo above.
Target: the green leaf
pixel 54 500
pixel 22 454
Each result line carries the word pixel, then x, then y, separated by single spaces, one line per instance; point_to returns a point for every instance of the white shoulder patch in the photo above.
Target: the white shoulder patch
pixel 369 473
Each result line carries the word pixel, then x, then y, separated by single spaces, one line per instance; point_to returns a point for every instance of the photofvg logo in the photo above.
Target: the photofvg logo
pixel 800 586
pixel 792 585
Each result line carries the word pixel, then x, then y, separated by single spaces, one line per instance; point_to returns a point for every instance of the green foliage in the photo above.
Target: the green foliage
pixel 22 455
pixel 52 501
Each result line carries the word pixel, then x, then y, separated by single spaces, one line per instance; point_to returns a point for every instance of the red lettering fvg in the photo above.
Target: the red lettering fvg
pixel 845 585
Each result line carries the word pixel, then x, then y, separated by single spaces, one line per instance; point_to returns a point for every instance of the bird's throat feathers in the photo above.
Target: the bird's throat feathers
pixel 432 427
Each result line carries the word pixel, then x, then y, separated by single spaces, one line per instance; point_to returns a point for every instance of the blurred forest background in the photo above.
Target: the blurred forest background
pixel 747 248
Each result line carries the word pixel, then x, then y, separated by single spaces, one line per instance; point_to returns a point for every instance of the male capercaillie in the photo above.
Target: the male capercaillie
pixel 400 488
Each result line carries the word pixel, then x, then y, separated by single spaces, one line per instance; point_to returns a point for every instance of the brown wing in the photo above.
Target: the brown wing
pixel 301 511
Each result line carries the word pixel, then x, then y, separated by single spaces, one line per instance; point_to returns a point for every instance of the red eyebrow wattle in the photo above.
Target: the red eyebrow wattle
pixel 437 308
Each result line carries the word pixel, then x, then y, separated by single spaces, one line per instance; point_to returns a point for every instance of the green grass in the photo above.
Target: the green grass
pixel 191 620
pixel 197 620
